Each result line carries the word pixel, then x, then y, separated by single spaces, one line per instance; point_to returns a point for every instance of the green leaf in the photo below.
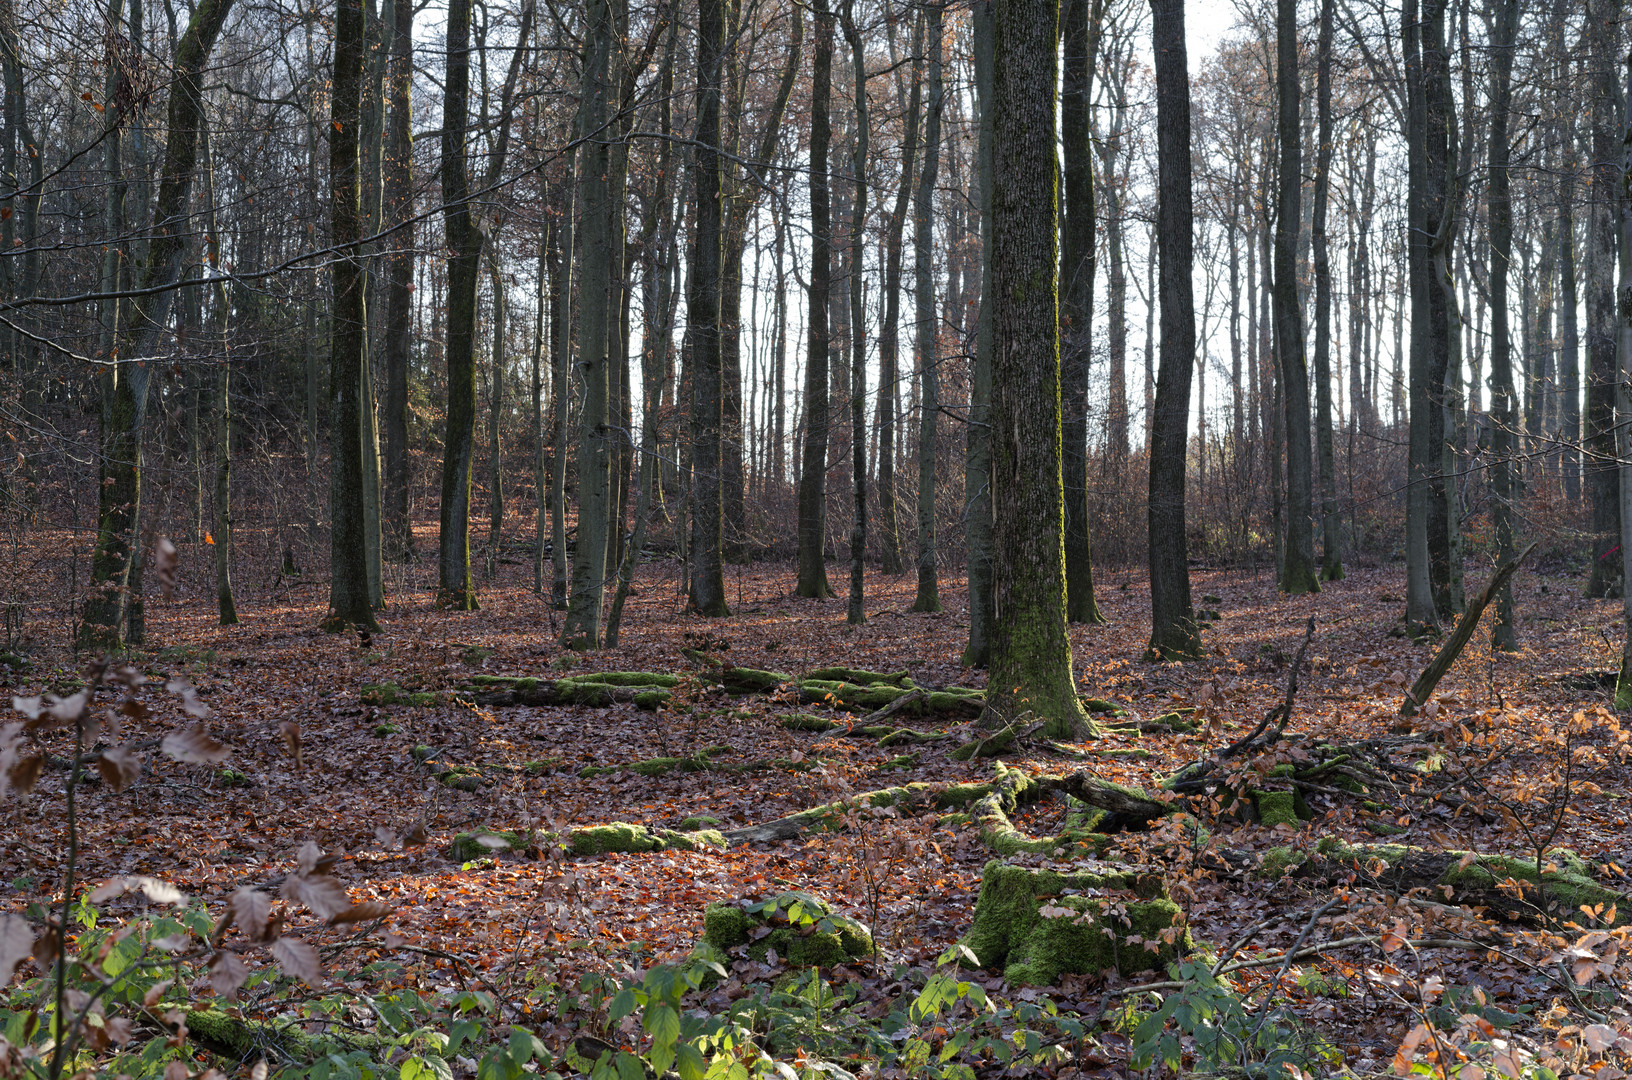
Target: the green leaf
pixel 663 1025
pixel 621 1006
pixel 689 1062
pixel 521 1046
pixel 629 1066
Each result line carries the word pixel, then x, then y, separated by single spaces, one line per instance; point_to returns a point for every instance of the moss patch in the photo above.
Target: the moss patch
pixel 815 936
pixel 862 678
pixel 468 846
pixel 623 838
pixel 699 821
pixel 1080 935
pixel 1277 862
pixel 1278 808
pixel 387 693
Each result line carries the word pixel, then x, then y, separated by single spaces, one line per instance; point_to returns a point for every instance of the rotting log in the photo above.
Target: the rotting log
pixel 1423 688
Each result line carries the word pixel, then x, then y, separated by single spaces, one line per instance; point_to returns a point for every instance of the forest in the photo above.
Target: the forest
pixel 815 539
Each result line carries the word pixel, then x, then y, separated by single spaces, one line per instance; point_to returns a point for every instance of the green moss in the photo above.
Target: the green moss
pixel 422 753
pixel 905 761
pixel 1382 828
pixel 616 837
pixel 1011 934
pixel 698 821
pixel 540 767
pixel 652 700
pixel 627 678
pixel 461 777
pixel 861 678
pixel 961 794
pixel 1100 705
pixel 1277 862
pixel 801 722
pixel 231 778
pixel 1280 808
pixel 744 680
pixel 387 693
pixel 382 730
pixel 467 847
pixel 822 938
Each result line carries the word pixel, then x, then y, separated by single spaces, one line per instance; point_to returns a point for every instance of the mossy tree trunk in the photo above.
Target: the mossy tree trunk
pixel 1031 648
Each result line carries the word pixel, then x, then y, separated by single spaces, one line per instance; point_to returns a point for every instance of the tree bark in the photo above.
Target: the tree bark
pixel 1331 539
pixel 398 330
pixel 1503 411
pixel 1173 634
pixel 1298 562
pixel 926 335
pixel 977 467
pixel 856 610
pixel 703 320
pixel 1422 453
pixel 1079 266
pixel 1602 475
pixel 1031 644
pixel 813 470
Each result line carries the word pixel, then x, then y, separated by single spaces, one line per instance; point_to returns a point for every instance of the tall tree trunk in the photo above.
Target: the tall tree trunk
pixel 221 534
pixel 1602 22
pixel 1423 454
pixel 495 421
pixel 455 589
pixel 1331 541
pixel 1031 643
pixel 977 462
pixel 1173 633
pixel 1623 347
pixel 1503 414
pixel 1078 265
pixel 813 471
pixel 350 604
pixel 889 336
pixel 1116 315
pixel 111 619
pixel 560 258
pixel 582 628
pixel 1298 565
pixel 703 321
pixel 398 329
pixel 926 335
pixel 856 611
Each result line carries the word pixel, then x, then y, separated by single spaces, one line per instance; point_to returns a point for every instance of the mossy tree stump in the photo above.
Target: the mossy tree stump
pixel 1036 925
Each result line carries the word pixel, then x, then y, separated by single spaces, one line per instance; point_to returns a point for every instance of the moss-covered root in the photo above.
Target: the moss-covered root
pixel 240 1040
pixel 1011 789
pixel 856 697
pixel 617 837
pixel 601 689
pixel 1036 925
pixel 917 796
pixel 1508 886
pixel 805 931
pixel 658 766
pixel 900 679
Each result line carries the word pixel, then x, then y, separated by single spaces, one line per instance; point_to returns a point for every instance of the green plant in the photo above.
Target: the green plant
pixel 1223 1031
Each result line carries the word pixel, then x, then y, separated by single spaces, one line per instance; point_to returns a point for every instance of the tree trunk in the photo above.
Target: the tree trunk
pixel 889 337
pixel 856 611
pixel 1331 541
pixel 1423 453
pixel 560 257
pixel 1031 644
pixel 977 463
pixel 1503 414
pixel 582 628
pixel 1173 633
pixel 926 334
pixel 398 329
pixel 495 425
pixel 455 588
pixel 703 320
pixel 1298 563
pixel 813 470
pixel 1602 475
pixel 1078 265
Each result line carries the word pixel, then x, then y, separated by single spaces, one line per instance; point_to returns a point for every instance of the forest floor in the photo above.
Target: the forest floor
pixel 355 785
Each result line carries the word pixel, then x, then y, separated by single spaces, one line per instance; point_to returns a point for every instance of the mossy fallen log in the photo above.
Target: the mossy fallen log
pixel 617 837
pixel 917 795
pixel 804 930
pixel 602 689
pixel 1036 925
pixel 1508 886
pixel 886 734
pixel 389 693
pixel 899 679
pixel 241 1040
pixel 1010 790
pixel 856 697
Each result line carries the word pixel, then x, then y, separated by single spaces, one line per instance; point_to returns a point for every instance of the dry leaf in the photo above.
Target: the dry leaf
pixel 25 773
pixel 194 745
pixel 227 973
pixel 250 908
pixel 119 766
pixel 161 557
pixel 324 896
pixel 16 944
pixel 367 911
pixel 297 959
